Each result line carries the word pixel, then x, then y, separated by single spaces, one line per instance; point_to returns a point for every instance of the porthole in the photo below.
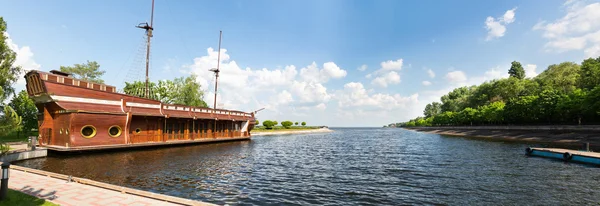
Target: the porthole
pixel 88 131
pixel 138 130
pixel 114 131
pixel 60 131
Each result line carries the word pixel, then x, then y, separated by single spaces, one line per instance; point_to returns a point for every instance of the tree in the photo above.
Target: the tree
pixel 257 122
pixel 185 91
pixel 275 123
pixel 268 124
pixel 590 73
pixel 90 71
pixel 456 100
pixel 516 70
pixel 303 123
pixel 296 123
pixel 26 109
pixel 188 92
pixel 9 74
pixel 432 109
pixel 287 124
pixel 563 76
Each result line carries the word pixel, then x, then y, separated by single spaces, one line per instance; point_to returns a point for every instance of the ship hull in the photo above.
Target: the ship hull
pixel 75 115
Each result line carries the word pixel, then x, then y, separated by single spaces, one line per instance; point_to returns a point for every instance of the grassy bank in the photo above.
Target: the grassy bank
pixel 19 198
pixel 281 128
pixel 17 136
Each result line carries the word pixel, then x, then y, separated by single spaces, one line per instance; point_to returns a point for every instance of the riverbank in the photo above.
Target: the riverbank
pixel 568 135
pixel 291 131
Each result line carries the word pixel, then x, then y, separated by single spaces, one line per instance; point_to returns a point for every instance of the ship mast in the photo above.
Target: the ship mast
pixel 149 30
pixel 216 70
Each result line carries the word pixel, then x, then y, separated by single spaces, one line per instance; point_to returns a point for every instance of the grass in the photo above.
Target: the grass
pixel 17 136
pixel 18 198
pixel 281 128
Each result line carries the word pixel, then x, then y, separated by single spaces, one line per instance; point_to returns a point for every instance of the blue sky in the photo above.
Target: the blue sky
pixel 263 39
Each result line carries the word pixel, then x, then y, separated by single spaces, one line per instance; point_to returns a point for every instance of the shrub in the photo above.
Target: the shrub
pixel 287 124
pixel 303 123
pixel 296 123
pixel 268 124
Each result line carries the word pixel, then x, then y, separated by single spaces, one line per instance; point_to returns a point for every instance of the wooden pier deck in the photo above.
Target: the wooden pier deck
pixel 566 154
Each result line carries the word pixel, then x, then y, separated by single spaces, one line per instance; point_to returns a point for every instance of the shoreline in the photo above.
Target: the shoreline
pixel 533 134
pixel 283 132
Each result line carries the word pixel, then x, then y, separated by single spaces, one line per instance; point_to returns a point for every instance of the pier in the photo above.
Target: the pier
pixel 566 154
pixel 66 190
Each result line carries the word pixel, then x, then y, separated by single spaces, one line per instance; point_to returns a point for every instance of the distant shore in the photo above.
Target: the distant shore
pixel 284 132
pixel 566 135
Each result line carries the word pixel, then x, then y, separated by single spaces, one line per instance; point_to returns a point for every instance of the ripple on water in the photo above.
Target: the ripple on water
pixel 349 166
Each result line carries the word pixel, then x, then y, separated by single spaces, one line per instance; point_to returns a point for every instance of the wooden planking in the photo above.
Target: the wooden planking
pixel 102 122
pixel 55 88
pixel 90 107
pixel 573 152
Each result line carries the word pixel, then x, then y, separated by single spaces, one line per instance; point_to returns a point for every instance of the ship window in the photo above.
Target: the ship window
pixel 114 131
pixel 60 131
pixel 138 130
pixel 88 131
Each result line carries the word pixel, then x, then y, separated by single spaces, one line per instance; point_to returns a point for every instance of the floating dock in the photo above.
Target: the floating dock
pixel 566 154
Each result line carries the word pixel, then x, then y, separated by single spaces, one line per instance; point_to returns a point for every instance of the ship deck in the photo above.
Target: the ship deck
pixel 145 144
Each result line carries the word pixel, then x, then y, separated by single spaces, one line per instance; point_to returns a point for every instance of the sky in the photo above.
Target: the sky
pixel 336 62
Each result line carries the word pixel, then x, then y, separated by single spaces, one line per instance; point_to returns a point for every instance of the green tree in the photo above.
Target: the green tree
pixel 188 92
pixel 26 109
pixel 9 74
pixel 303 123
pixel 287 124
pixel 516 70
pixel 590 73
pixel 432 109
pixel 563 76
pixel 90 71
pixel 184 91
pixel 269 124
pixel 296 123
pixel 456 100
pixel 257 122
pixel 275 123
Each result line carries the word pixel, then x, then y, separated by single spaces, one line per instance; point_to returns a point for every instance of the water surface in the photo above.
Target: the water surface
pixel 358 166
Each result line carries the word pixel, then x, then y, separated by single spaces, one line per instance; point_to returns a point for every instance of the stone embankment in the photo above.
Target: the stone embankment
pixel 559 134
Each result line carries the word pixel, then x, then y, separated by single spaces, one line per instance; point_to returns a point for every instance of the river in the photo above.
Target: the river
pixel 357 166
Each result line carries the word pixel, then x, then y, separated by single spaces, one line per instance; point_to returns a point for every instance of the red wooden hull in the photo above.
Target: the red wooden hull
pixel 78 115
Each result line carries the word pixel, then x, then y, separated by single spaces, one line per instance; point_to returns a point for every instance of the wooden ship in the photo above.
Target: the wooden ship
pixel 77 115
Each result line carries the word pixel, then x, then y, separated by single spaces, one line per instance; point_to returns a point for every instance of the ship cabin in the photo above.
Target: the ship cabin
pixel 77 115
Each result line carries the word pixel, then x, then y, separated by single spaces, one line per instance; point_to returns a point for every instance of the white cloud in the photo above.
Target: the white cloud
pixel 310 92
pixel 578 29
pixel 321 106
pixel 431 73
pixel 24 59
pixel 355 95
pixel 426 83
pixel 456 77
pixel 362 68
pixel 391 77
pixel 530 70
pixel 330 71
pixel 497 27
pixel 391 65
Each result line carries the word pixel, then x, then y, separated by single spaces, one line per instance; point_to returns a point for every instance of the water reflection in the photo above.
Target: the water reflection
pixel 349 166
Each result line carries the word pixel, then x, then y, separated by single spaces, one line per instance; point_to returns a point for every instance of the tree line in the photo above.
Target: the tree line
pixel 565 93
pixel 269 124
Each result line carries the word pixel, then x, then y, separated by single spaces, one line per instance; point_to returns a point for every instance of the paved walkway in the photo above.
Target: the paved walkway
pixel 71 193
